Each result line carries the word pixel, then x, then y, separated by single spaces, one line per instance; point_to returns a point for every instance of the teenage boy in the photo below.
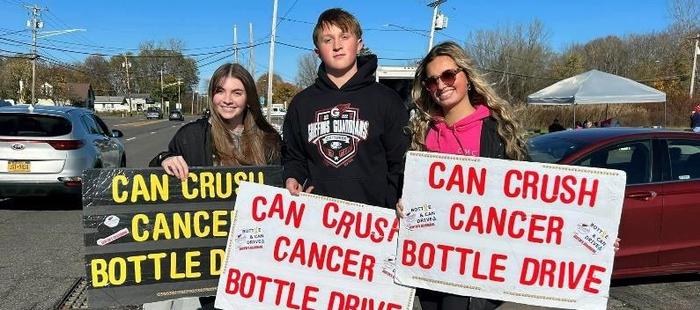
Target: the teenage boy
pixel 344 136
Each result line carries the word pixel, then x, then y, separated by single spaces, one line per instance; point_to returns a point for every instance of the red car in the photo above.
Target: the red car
pixel 660 225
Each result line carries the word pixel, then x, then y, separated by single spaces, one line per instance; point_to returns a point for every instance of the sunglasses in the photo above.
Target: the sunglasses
pixel 448 77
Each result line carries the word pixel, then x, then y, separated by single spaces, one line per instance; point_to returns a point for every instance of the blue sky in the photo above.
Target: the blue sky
pixel 206 27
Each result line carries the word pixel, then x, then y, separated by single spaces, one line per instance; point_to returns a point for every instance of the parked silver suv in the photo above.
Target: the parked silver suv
pixel 44 149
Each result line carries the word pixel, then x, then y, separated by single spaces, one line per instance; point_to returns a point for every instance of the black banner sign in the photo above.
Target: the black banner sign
pixel 151 237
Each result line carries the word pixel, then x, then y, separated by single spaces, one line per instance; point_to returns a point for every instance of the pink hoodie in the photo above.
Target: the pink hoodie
pixel 463 138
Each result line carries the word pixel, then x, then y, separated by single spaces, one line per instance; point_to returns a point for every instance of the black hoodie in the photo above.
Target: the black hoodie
pixel 347 142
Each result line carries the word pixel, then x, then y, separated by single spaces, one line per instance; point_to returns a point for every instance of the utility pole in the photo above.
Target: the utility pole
pixel 179 82
pixel 270 68
pixel 251 59
pixel 35 23
pixel 162 95
pixel 695 63
pixel 126 65
pixel 192 103
pixel 435 4
pixel 235 44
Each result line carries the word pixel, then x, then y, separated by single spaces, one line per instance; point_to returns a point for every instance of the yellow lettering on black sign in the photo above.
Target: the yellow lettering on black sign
pixel 117 270
pixel 152 189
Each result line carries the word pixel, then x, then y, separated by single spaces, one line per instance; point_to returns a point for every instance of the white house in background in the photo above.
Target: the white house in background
pixel 111 104
pixel 75 94
pixel 45 96
pixel 278 109
pixel 140 102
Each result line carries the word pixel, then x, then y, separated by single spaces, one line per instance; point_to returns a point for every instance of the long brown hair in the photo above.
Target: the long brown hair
pixel 260 143
pixel 480 93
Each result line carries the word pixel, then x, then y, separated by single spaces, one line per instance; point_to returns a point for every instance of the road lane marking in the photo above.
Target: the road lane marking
pixel 140 123
pixel 132 138
pixel 153 132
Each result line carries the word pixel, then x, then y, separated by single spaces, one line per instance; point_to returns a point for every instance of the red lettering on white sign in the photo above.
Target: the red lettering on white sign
pixel 342 301
pixel 333 258
pixel 467 181
pixel 549 189
pixel 361 224
pixel 424 255
pixel 249 285
pixel 569 275
pixel 512 223
pixel 290 213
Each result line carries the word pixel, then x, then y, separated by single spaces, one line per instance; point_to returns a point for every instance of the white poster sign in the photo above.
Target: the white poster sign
pixel 532 233
pixel 309 252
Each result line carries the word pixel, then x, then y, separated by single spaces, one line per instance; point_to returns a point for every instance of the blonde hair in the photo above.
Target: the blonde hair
pixel 260 143
pixel 508 129
pixel 339 18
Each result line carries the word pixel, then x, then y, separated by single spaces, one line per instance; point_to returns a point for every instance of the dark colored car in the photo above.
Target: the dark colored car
pixel 660 225
pixel 176 115
pixel 206 113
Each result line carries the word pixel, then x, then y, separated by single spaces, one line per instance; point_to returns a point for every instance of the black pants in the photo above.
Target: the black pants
pixel 207 303
pixel 432 300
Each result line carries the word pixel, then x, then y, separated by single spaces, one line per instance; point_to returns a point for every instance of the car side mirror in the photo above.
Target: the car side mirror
pixel 116 133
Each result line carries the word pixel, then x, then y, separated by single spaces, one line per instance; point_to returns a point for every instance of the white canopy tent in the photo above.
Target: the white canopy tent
pixel 596 87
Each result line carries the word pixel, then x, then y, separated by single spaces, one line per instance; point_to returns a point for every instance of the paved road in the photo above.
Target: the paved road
pixel 41 243
pixel 143 139
pixel 41 240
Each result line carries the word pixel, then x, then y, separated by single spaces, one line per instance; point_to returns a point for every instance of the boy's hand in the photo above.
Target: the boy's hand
pixel 616 245
pixel 176 166
pixel 399 208
pixel 295 188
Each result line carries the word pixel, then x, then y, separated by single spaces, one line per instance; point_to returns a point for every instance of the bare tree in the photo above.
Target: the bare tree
pixel 516 58
pixel 307 69
pixel 685 15
pixel 607 54
pixel 98 67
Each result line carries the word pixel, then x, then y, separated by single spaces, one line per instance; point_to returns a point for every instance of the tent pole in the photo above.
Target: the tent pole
pixel 664 113
pixel 574 125
pixel 606 110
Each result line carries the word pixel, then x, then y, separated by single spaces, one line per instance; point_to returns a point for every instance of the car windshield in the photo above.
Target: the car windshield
pixel 32 125
pixel 155 110
pixel 551 148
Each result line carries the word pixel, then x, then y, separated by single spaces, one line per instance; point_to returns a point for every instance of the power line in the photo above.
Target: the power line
pixel 109 55
pixel 295 20
pixel 13 32
pixel 18 3
pixel 295 46
pixel 16 53
pixel 54 17
pixel 135 48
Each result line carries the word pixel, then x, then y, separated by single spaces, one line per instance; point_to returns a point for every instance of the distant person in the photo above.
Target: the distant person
pixel 555 126
pixel 578 125
pixel 695 119
pixel 587 124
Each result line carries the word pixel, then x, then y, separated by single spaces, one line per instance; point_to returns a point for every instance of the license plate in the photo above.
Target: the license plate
pixel 16 166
